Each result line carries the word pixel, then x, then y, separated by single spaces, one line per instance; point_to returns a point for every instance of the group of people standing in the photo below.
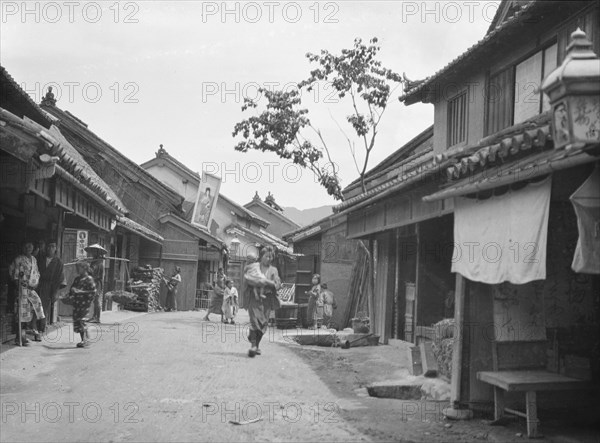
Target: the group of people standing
pixel 38 279
pixel 223 299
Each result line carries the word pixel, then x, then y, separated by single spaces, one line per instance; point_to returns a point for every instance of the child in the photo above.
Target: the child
pixel 329 305
pixel 253 269
pixel 315 303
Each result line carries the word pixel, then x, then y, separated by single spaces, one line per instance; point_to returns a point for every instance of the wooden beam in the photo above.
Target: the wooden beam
pixel 459 312
pixel 417 266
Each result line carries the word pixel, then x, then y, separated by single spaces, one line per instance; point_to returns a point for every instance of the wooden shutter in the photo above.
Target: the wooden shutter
pixel 499 98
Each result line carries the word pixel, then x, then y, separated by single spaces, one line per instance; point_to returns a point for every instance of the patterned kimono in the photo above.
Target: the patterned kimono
pixel 81 301
pixel 260 310
pixel 31 277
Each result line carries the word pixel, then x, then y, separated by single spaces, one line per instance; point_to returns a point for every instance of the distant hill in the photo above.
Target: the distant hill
pixel 305 217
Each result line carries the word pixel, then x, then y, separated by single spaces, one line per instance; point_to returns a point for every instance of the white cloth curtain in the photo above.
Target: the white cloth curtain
pixel 503 238
pixel 586 202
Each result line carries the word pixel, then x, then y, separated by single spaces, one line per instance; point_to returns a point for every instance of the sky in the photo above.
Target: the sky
pixel 175 73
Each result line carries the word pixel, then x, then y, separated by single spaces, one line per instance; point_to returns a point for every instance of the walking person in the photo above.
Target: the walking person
pixel 97 272
pixel 24 271
pixel 52 279
pixel 172 284
pixel 259 309
pixel 216 300
pixel 81 295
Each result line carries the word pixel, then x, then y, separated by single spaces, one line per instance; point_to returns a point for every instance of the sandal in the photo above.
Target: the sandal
pixel 252 352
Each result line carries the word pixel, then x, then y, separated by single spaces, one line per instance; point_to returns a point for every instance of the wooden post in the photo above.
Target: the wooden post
pixel 395 333
pixel 19 301
pixel 459 310
pixel 371 293
pixel 532 419
pixel 417 265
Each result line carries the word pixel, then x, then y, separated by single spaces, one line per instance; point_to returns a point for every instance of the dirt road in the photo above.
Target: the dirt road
pixel 172 377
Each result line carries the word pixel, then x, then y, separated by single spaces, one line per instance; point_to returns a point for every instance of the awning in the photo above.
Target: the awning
pixel 139 229
pixel 517 171
pixel 503 238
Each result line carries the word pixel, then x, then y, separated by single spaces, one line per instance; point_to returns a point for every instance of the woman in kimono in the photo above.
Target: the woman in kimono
pixel 24 271
pixel 81 295
pixel 216 300
pixel 259 309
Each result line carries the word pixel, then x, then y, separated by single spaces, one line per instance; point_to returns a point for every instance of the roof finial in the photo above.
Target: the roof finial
pixel 161 151
pixel 256 196
pixel 49 99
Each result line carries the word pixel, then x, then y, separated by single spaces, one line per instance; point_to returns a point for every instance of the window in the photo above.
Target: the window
pixel 528 79
pixel 513 94
pixel 457 119
pixel 500 101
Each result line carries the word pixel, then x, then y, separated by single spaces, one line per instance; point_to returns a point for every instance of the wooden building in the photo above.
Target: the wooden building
pixel 323 248
pixel 494 144
pixel 155 231
pixel 410 241
pixel 47 190
pixel 268 209
pixel 240 230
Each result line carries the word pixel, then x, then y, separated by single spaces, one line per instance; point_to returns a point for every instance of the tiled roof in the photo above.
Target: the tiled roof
pixel 67 119
pixel 163 154
pixel 273 211
pixel 480 46
pixel 76 164
pixel 9 85
pixel 69 158
pixel 519 170
pixel 133 226
pixel 506 149
pixel 264 237
pixel 412 169
pixel 400 154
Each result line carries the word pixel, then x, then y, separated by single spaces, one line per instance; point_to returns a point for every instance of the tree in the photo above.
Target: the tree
pixel 355 75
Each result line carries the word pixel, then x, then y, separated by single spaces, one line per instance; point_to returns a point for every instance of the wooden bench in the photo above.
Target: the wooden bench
pixel 520 367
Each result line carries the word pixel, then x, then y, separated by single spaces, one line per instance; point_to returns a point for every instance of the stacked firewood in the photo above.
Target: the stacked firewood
pixel 145 284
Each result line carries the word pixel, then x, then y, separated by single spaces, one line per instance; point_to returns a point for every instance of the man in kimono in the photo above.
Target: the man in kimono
pixel 97 267
pixel 52 278
pixel 24 271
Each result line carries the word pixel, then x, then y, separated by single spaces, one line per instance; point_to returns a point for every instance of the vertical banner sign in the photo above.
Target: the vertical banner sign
pixel 82 243
pixel 206 200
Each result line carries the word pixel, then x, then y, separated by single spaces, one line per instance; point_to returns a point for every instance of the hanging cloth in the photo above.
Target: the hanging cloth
pixel 586 202
pixel 503 238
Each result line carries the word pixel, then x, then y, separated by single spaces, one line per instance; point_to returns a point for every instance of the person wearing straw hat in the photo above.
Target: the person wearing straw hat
pixel 80 296
pixel 97 271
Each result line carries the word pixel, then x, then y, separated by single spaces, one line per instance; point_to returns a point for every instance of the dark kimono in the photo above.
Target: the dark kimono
pixel 260 310
pixel 216 301
pixel 52 278
pixel 81 301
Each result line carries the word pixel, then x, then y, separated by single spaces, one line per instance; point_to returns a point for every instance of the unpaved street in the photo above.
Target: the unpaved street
pixel 172 377
pixel 164 377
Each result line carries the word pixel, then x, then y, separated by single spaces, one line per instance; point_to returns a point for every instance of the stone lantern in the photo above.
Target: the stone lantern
pixel 574 92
